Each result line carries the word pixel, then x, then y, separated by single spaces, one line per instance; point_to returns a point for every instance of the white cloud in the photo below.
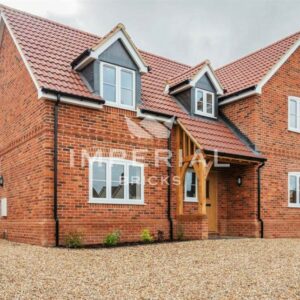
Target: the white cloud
pixel 189 31
pixel 44 8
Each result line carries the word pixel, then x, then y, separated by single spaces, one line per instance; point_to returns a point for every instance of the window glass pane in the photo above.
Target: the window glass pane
pixel 109 75
pixel 199 100
pixel 99 180
pixel 293 114
pixel 299 190
pixel 126 80
pixel 127 97
pixel 99 170
pixel 109 92
pixel 207 189
pixel 209 103
pixel 99 189
pixel 109 83
pixel 190 184
pixel 135 182
pixel 293 189
pixel 117 181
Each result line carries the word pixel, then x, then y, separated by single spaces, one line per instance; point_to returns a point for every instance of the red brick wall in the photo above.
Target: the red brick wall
pixel 266 123
pixel 26 151
pixel 92 130
pixel 23 152
pixel 237 205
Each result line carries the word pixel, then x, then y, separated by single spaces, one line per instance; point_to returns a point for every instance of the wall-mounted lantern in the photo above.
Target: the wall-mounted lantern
pixel 1 181
pixel 239 181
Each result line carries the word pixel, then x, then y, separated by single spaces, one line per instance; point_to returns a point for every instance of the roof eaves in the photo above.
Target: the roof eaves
pixel 80 57
pixel 237 156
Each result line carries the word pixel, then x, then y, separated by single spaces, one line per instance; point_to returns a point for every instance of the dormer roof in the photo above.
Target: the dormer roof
pixel 117 33
pixel 191 76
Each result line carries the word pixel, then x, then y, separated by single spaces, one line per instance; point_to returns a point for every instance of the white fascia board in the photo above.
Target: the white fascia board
pixel 20 51
pixel 84 63
pixel 212 77
pixel 153 117
pixel 239 97
pixel 68 100
pixel 181 89
pixel 1 27
pixel 118 35
pixel 276 67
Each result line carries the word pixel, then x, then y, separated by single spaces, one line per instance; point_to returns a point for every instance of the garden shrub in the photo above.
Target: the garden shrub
pixel 146 236
pixel 112 239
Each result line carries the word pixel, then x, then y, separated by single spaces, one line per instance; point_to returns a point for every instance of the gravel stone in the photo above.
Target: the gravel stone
pixel 212 269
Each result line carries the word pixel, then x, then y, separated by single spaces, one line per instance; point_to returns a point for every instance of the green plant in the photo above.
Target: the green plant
pixel 73 240
pixel 112 239
pixel 180 232
pixel 146 236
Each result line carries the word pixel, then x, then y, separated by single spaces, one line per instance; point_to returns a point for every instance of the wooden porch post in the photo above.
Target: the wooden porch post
pixel 202 170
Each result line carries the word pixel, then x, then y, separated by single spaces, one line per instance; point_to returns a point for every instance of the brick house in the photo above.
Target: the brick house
pixel 97 136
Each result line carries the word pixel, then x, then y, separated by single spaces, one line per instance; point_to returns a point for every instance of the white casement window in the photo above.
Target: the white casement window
pixel 294 189
pixel 190 193
pixel 294 114
pixel 205 103
pixel 3 207
pixel 116 181
pixel 117 86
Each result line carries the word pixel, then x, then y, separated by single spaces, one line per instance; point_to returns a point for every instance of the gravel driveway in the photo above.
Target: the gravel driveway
pixel 214 269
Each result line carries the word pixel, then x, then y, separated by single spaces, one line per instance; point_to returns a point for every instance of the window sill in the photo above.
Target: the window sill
pixel 294 206
pixel 294 130
pixel 205 115
pixel 107 103
pixel 191 200
pixel 117 201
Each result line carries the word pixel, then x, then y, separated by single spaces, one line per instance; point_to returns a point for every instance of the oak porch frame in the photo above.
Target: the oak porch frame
pixel 192 155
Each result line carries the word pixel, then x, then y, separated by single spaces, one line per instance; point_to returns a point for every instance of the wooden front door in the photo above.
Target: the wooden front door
pixel 211 202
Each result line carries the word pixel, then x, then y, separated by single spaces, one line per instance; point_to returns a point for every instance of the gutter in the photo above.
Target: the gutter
pixel 79 58
pixel 259 218
pixel 55 158
pixel 238 95
pixel 72 99
pixel 245 157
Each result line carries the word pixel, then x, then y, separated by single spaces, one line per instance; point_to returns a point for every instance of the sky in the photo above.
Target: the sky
pixel 187 31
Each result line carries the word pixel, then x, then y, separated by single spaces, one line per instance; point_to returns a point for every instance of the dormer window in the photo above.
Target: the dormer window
pixel 205 103
pixel 117 85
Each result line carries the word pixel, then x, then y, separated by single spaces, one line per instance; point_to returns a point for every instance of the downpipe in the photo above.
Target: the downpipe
pixel 259 218
pixel 169 208
pixel 55 202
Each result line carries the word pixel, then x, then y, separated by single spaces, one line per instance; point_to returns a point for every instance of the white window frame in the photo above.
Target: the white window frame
pixel 109 200
pixel 118 86
pixel 3 207
pixel 205 113
pixel 297 204
pixel 297 100
pixel 191 199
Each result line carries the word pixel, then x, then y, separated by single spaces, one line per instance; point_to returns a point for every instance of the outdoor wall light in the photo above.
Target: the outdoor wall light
pixel 239 181
pixel 1 181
